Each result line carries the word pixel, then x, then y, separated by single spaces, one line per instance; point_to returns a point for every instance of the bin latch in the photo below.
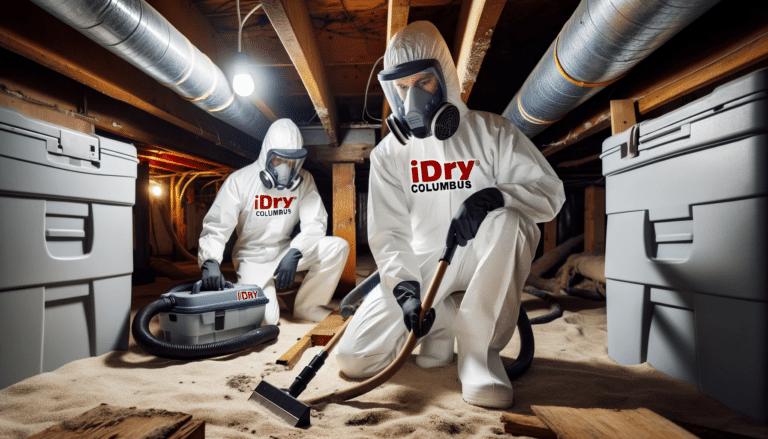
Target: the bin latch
pixel 76 145
pixel 630 147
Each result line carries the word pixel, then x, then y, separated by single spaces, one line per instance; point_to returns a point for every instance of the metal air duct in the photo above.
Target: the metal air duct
pixel 136 32
pixel 601 42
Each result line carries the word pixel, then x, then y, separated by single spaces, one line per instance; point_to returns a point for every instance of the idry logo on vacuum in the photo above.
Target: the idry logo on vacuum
pixel 424 175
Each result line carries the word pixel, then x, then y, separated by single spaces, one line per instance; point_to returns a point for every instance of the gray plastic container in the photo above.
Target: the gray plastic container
pixel 687 244
pixel 66 245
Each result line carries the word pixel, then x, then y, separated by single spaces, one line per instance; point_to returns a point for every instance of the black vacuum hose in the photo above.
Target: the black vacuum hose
pixel 175 351
pixel 525 357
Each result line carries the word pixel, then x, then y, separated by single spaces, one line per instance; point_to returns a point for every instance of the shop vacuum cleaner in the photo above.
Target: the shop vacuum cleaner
pixel 201 324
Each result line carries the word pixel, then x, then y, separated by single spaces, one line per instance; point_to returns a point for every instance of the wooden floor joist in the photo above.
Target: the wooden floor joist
pixel 320 335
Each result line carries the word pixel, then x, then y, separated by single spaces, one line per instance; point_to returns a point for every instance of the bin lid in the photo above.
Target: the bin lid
pixel 674 125
pixel 71 143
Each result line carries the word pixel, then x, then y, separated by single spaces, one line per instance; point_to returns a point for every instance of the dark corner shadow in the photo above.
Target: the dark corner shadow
pixel 568 303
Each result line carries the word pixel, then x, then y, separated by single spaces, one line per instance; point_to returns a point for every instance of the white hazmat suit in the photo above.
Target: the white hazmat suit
pixel 264 219
pixel 414 191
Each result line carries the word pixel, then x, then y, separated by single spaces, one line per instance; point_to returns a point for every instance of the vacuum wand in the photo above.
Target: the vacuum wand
pixel 380 378
pixel 284 403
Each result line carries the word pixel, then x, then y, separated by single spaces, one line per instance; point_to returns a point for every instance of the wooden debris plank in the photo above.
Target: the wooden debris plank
pixel 522 425
pixel 106 421
pixel 292 355
pixel 573 423
pixel 320 335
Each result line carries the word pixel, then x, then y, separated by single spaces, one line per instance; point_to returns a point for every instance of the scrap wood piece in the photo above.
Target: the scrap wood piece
pixel 320 335
pixel 575 423
pixel 524 425
pixel 107 421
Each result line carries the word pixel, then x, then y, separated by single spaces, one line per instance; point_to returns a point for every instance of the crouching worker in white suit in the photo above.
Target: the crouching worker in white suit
pixel 264 201
pixel 447 174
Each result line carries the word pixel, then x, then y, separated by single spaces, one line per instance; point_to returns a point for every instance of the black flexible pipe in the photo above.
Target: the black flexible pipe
pixel 175 351
pixel 527 346
pixel 555 309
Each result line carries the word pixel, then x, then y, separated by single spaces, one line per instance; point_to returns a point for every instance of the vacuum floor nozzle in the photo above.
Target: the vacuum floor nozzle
pixel 281 404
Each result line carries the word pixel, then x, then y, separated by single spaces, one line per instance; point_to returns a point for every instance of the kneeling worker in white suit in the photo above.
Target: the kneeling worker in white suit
pixel 447 174
pixel 264 201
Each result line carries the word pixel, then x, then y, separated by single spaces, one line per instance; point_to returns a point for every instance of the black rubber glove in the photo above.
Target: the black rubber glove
pixel 471 214
pixel 286 269
pixel 407 295
pixel 212 278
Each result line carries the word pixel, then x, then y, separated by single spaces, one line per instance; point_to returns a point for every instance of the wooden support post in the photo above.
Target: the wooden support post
pixel 397 18
pixel 550 235
pixel 344 204
pixel 622 115
pixel 594 219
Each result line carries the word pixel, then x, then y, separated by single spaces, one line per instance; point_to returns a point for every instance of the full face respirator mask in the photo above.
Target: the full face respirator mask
pixel 282 169
pixel 417 93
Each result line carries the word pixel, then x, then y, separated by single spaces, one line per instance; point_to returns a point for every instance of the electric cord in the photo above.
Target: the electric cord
pixel 365 101
pixel 241 23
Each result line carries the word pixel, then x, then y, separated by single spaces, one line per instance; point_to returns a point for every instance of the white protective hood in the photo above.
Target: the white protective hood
pixel 282 134
pixel 421 40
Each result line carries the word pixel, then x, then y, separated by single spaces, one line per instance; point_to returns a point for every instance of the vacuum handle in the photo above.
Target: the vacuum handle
pixel 410 343
pixel 306 375
pixel 448 252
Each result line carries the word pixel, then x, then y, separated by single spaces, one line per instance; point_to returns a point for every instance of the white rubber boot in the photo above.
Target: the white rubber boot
pixel 502 250
pixel 436 348
pixel 325 264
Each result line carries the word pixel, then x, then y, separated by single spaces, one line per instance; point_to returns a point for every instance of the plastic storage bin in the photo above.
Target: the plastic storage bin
pixel 687 244
pixel 66 245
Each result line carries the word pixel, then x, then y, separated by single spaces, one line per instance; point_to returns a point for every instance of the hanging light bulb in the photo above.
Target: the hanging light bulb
pixel 242 82
pixel 155 189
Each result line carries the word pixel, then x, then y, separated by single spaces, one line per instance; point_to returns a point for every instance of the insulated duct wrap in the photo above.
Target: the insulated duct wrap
pixel 600 43
pixel 137 33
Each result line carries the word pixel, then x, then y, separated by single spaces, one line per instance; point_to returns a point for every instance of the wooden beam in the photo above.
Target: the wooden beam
pixel 737 56
pixel 188 20
pixel 477 20
pixel 348 153
pixel 344 208
pixel 44 94
pixel 578 162
pixel 292 22
pixel 594 219
pixel 33 33
pixel 397 18
pixel 737 53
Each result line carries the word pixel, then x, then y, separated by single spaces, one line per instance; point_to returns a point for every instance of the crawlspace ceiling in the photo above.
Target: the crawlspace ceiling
pixel 314 59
